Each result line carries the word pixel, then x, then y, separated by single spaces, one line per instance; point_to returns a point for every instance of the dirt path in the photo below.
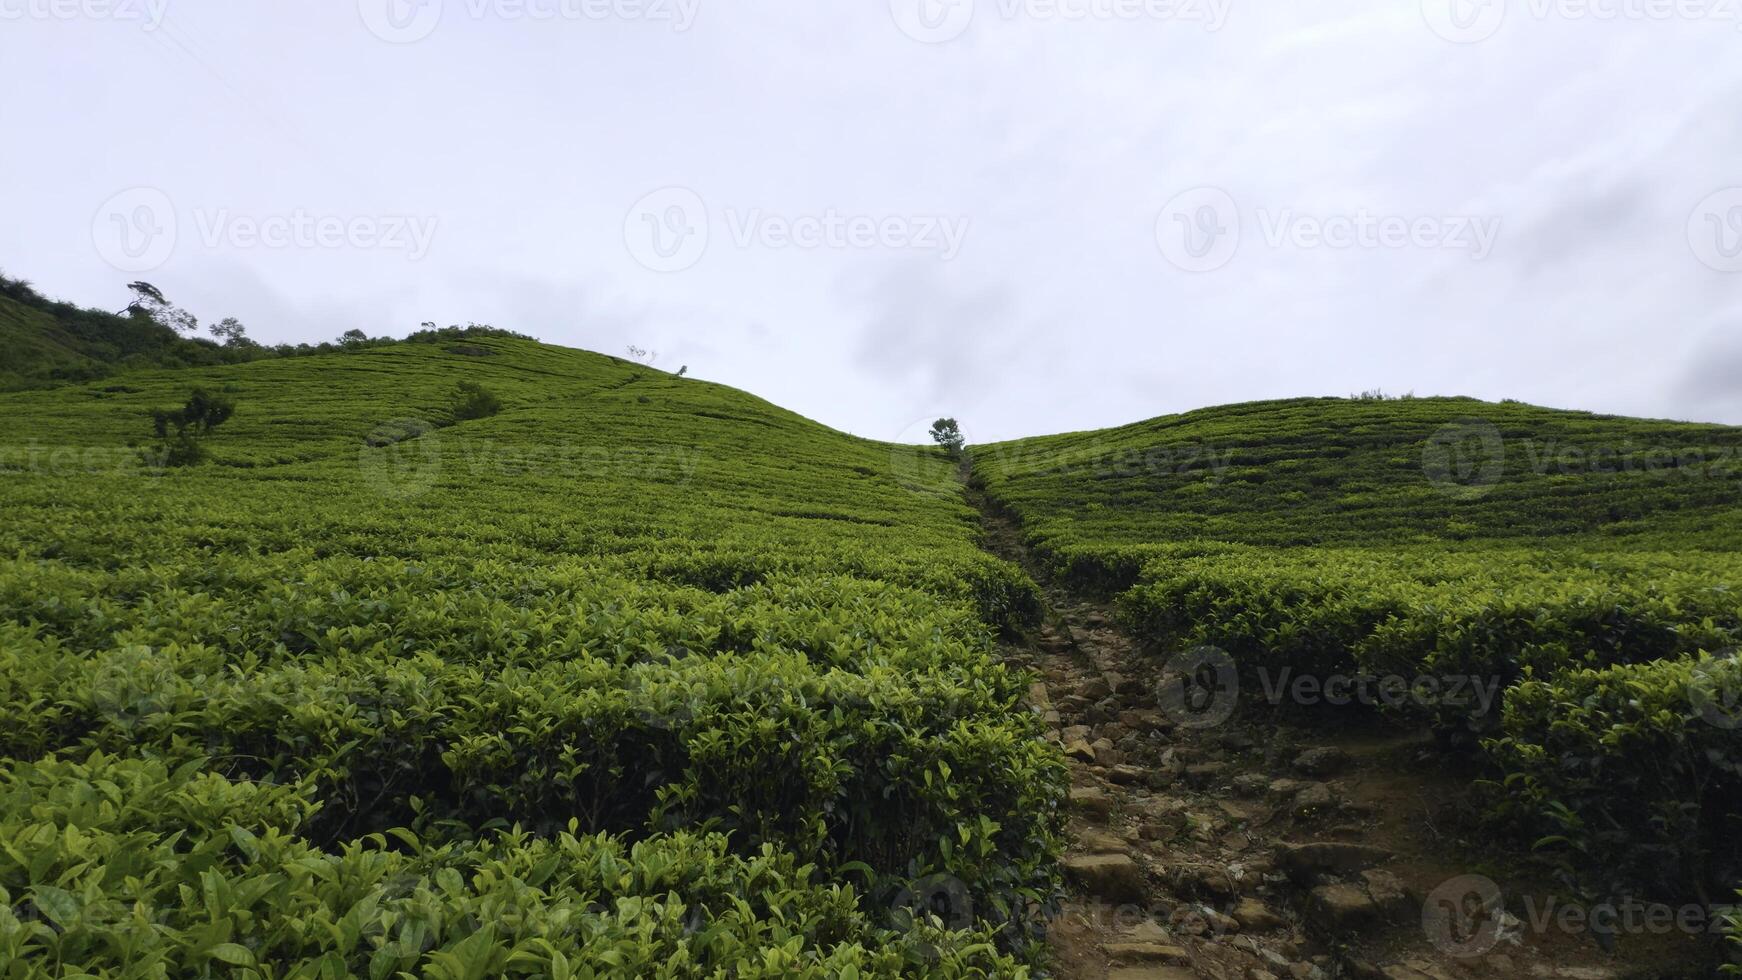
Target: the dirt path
pixel 1246 850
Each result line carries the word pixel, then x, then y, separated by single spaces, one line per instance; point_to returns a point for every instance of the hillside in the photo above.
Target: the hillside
pixel 686 681
pixel 645 676
pixel 1335 472
pixel 49 343
pixel 1584 567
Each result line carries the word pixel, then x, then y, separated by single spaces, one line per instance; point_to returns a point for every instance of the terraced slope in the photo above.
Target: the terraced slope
pixel 641 676
pixel 1586 566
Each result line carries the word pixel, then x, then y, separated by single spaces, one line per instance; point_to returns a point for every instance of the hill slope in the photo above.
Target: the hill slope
pixel 1585 566
pixel 49 343
pixel 631 605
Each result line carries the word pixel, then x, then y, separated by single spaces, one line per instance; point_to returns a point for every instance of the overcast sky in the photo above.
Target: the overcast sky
pixel 1035 215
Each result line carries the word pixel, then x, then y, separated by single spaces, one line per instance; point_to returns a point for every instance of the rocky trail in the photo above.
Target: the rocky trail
pixel 1248 850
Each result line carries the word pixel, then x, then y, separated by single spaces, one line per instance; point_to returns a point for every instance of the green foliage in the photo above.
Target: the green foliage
pixel 180 432
pixel 1630 774
pixel 700 623
pixel 473 401
pixel 1367 474
pixel 946 433
pixel 1577 562
pixel 50 343
pixel 131 869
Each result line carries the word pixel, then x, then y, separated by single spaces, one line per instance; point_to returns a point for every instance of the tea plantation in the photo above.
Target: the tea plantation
pixel 638 676
pixel 472 656
pixel 1589 568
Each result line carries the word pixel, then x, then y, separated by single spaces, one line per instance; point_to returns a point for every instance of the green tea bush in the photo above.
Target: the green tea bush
pixel 473 401
pixel 1630 773
pixel 96 882
pixel 695 615
pixel 180 431
pixel 1572 561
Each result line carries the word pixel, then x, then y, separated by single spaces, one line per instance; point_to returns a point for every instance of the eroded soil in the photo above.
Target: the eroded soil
pixel 1253 849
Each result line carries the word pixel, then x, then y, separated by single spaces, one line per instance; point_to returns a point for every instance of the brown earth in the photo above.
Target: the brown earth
pixel 1253 849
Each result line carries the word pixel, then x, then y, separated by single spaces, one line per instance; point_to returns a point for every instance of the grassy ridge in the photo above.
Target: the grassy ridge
pixel 1563 558
pixel 1336 472
pixel 48 343
pixel 628 605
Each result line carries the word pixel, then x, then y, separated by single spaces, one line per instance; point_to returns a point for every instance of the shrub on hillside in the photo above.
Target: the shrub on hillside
pixel 1632 774
pixel 474 401
pixel 180 432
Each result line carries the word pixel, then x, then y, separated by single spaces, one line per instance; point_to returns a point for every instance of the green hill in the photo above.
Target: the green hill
pixel 1586 567
pixel 643 674
pixel 49 343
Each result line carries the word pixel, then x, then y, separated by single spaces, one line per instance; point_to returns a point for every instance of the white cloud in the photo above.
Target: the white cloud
pixel 1058 141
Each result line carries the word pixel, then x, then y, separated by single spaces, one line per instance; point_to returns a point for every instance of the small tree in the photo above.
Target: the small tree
pixel 473 401
pixel 947 434
pixel 149 303
pixel 180 431
pixel 353 337
pixel 230 331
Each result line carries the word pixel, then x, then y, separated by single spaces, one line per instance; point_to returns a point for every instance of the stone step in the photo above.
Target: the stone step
pixel 1151 973
pixel 1114 878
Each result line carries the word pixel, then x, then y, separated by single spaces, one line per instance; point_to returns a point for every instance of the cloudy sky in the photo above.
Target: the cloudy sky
pixel 1035 215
